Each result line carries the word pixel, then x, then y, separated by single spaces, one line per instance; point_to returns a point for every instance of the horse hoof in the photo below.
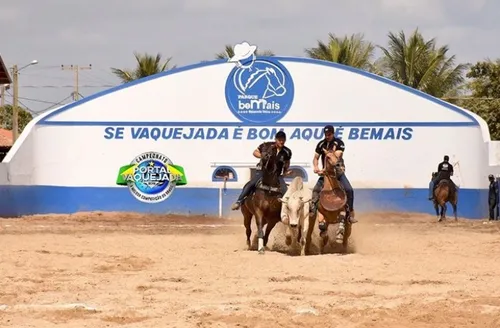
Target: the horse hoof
pixel 261 251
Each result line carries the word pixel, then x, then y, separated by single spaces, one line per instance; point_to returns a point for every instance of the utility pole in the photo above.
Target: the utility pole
pixel 76 69
pixel 15 98
pixel 15 108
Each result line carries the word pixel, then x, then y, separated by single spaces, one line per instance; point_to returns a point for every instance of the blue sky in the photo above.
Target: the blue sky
pixel 105 33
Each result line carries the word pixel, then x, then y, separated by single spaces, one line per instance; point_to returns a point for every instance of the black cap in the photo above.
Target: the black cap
pixel 446 158
pixel 328 128
pixel 491 176
pixel 280 135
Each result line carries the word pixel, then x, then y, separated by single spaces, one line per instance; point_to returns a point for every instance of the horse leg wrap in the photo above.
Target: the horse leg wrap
pixel 322 226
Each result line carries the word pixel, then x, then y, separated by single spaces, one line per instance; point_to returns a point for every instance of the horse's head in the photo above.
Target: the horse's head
pixel 331 161
pixel 268 158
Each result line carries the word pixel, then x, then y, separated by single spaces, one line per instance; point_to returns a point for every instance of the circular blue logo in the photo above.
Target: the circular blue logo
pixel 152 180
pixel 259 90
pixel 151 177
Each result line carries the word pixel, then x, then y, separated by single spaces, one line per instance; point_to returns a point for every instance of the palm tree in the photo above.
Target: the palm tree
pixel 351 51
pixel 146 65
pixel 229 52
pixel 420 64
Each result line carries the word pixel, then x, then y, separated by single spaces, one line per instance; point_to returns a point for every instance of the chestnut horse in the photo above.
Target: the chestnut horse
pixel 445 192
pixel 333 202
pixel 264 203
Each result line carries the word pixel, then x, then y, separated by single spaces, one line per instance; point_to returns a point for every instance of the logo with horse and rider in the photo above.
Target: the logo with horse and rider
pixel 151 177
pixel 258 90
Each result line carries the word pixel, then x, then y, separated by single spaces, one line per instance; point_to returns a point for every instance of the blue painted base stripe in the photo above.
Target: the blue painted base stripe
pixel 26 200
pixel 245 124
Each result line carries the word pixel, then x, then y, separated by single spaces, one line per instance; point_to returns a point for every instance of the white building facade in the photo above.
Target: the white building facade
pixel 209 117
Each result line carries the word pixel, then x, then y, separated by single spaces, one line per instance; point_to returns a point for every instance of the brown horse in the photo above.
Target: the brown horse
pixel 445 192
pixel 264 203
pixel 332 203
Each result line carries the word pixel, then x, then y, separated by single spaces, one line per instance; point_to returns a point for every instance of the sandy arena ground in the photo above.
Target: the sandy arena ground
pixel 125 270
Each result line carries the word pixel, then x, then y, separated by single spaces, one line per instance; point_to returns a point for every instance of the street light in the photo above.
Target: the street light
pixel 15 100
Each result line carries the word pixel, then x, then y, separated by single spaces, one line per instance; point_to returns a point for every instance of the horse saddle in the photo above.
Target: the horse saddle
pixel 333 200
pixel 262 186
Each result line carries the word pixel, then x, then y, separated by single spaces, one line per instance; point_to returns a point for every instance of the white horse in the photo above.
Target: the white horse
pixel 295 214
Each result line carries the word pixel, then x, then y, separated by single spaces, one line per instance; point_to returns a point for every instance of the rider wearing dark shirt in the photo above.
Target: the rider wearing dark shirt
pixel 284 156
pixel 329 143
pixel 493 197
pixel 444 171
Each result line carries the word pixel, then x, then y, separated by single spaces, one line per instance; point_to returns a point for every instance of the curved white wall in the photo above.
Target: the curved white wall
pixel 394 136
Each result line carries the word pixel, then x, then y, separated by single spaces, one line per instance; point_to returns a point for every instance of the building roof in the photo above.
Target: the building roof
pixel 4 73
pixel 5 138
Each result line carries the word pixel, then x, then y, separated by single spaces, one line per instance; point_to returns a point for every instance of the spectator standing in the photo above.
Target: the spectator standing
pixel 493 198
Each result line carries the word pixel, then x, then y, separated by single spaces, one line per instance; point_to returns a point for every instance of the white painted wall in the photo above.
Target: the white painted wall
pixel 320 91
pixel 81 156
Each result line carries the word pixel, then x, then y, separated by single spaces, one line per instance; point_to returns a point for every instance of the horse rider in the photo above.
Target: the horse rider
pixel 331 143
pixel 493 197
pixel 284 157
pixel 444 171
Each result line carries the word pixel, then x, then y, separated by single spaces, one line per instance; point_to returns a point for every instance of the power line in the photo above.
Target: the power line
pixel 38 100
pixel 76 69
pixel 54 105
pixel 68 86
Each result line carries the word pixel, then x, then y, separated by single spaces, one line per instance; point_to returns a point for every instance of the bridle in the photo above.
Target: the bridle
pixel 326 171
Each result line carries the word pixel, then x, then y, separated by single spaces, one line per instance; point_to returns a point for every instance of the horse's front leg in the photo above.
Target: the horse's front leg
pixel 441 212
pixel 247 221
pixel 437 211
pixel 339 237
pixel 304 235
pixel 269 228
pixel 259 220
pixel 323 235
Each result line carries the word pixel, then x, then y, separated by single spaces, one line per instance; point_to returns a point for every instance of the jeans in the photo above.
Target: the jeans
pixel 319 185
pixel 431 189
pixel 251 185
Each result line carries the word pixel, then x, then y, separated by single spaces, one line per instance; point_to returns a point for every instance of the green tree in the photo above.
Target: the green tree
pixel 420 64
pixel 146 65
pixel 351 50
pixel 484 97
pixel 229 52
pixel 486 79
pixel 24 117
